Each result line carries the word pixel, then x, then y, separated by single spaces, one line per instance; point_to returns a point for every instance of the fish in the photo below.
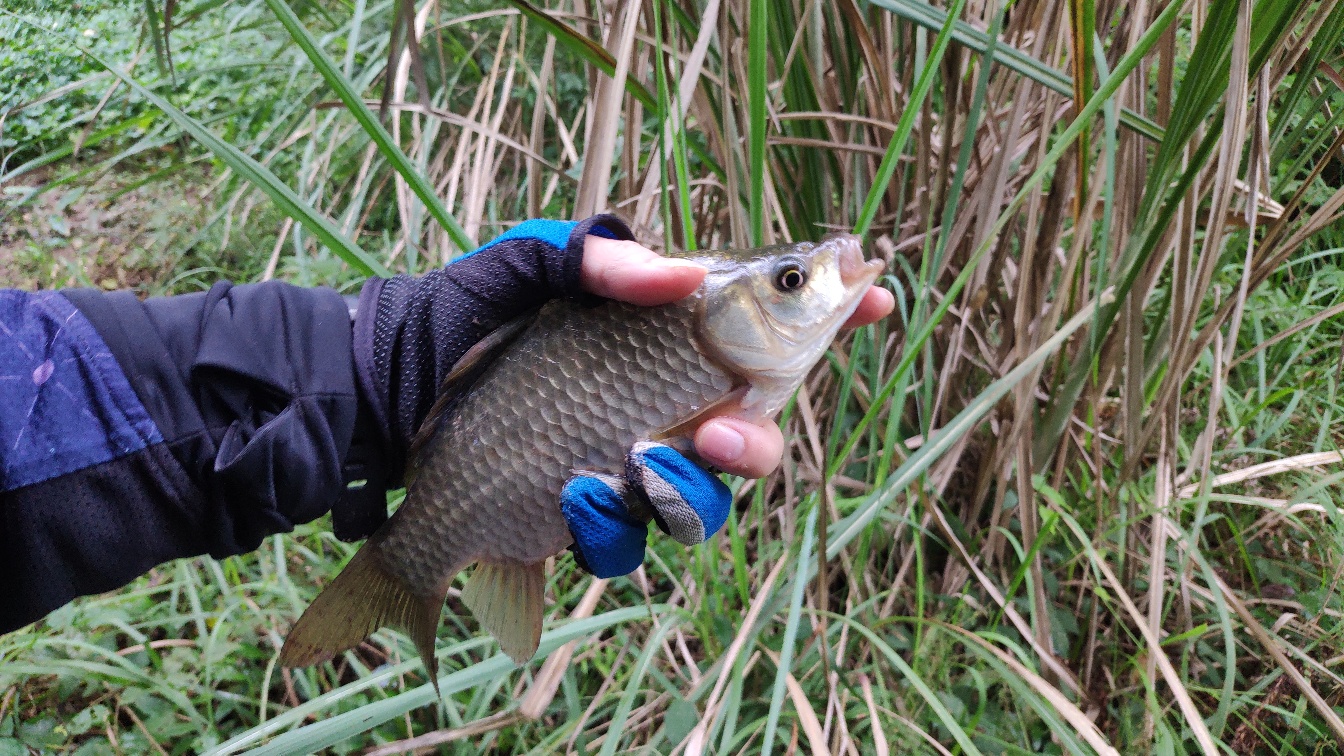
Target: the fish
pixel 569 392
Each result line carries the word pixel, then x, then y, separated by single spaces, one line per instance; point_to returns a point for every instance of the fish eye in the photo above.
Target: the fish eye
pixel 790 277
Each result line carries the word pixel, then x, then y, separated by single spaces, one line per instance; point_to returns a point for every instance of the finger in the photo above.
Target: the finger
pixel 626 271
pixel 607 540
pixel 877 303
pixel 690 503
pixel 740 447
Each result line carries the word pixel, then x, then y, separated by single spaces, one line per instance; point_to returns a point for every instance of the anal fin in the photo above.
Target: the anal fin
pixel 507 599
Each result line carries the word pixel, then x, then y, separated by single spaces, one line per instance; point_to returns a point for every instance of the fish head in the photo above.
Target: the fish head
pixel 768 315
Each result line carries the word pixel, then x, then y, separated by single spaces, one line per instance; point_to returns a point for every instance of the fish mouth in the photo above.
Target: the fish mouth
pixel 855 272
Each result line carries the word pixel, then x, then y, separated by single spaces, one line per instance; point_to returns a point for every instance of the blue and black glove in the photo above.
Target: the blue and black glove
pixel 410 331
pixel 609 515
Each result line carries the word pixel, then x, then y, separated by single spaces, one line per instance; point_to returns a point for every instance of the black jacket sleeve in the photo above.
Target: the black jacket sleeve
pixel 252 390
pixel 251 395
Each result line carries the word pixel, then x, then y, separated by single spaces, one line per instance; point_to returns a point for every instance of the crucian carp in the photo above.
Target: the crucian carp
pixel 570 392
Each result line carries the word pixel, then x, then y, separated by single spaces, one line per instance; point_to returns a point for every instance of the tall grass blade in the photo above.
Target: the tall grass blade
pixel 652 647
pixel 390 150
pixel 934 18
pixel 785 662
pixel 757 124
pixel 585 48
pixel 896 147
pixel 1082 29
pixel 1083 726
pixel 930 698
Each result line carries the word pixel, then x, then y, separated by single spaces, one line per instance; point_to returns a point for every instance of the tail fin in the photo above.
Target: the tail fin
pixel 362 599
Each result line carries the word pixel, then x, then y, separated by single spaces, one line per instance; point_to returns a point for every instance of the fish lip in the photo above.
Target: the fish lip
pixel 854 270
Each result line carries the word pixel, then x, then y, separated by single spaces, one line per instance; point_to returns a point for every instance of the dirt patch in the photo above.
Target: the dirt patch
pixel 111 233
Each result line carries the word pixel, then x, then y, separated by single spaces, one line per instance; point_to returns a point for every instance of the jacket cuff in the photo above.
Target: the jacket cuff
pixel 362 507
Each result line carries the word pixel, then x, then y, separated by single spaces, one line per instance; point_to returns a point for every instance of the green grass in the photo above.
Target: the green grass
pixel 999 527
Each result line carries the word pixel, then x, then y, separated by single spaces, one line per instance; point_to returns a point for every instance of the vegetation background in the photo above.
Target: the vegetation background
pixel 1080 494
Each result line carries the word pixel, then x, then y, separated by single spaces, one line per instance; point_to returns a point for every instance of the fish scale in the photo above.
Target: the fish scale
pixel 574 392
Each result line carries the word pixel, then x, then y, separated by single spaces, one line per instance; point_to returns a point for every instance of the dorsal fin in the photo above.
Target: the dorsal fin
pixel 463 376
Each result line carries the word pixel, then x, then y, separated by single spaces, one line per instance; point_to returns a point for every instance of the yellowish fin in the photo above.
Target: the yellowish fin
pixel 507 599
pixel 362 599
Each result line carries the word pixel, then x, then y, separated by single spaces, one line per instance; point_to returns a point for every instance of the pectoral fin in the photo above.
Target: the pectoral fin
pixel 507 600
pixel 685 429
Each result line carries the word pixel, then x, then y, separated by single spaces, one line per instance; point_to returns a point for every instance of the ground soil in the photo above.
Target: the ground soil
pixel 103 232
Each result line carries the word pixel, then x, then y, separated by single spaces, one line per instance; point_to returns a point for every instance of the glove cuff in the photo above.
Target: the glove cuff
pixel 372 392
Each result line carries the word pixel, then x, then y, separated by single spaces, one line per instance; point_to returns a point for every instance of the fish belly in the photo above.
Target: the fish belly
pixel 573 393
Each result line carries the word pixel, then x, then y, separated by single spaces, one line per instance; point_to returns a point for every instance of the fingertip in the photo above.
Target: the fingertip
pixel 739 447
pixel 877 303
pixel 651 283
pixel 721 443
pixel 632 273
pixel 674 279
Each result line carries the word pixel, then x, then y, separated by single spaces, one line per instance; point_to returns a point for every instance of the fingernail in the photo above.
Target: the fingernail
pixel 721 443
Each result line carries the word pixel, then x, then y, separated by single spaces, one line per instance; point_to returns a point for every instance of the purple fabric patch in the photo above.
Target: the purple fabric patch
pixel 64 402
